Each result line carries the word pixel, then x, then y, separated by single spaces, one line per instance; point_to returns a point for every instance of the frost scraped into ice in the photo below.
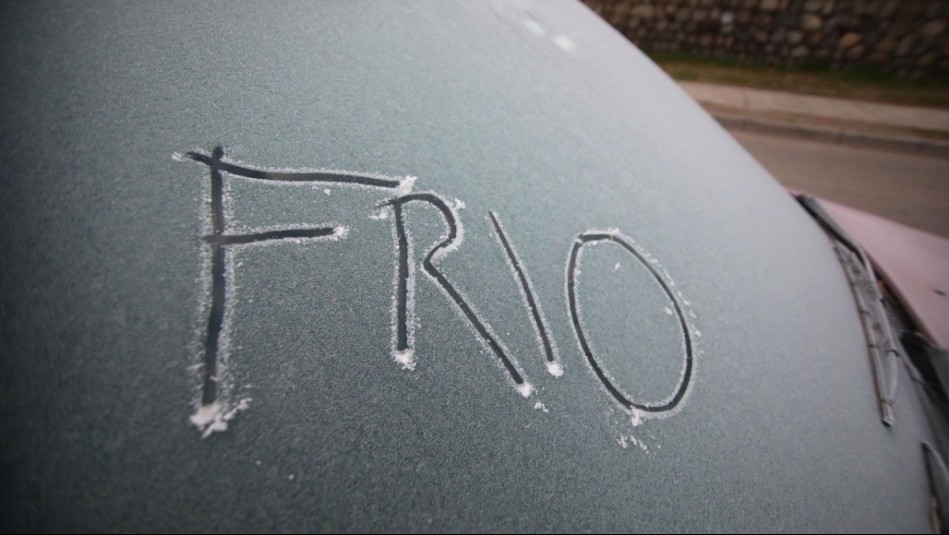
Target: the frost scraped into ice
pixel 340 233
pixel 525 389
pixel 638 443
pixel 405 358
pixel 213 418
pixel 635 417
pixel 541 407
pixel 406 185
pixel 625 441
pixel 555 369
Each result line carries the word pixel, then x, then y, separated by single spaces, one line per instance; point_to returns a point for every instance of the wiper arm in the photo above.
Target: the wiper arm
pixel 883 347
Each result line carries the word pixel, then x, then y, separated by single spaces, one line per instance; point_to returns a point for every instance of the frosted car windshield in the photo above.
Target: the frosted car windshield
pixel 458 266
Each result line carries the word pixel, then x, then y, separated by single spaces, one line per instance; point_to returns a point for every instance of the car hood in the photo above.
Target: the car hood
pixel 914 263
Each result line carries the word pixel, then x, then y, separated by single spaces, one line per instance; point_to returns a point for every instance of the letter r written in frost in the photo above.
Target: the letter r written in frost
pixel 403 307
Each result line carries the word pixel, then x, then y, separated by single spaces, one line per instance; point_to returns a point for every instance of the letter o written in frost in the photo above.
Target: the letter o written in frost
pixel 657 408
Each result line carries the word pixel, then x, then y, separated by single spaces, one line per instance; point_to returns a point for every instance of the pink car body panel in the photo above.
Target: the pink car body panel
pixel 914 263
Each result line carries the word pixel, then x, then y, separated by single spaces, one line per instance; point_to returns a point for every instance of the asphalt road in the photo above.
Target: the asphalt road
pixel 910 189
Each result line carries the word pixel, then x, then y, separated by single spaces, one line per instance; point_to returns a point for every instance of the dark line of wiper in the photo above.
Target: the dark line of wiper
pixel 883 347
pixel 938 487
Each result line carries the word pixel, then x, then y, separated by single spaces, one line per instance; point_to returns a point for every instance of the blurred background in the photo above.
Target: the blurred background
pixel 844 99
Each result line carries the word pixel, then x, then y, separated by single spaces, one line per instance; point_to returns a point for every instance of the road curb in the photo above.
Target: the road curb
pixel 930 147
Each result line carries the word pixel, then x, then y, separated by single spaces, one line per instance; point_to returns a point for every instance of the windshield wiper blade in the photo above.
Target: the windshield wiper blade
pixel 883 346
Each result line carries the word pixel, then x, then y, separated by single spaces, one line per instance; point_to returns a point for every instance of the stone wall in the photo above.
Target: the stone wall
pixel 908 37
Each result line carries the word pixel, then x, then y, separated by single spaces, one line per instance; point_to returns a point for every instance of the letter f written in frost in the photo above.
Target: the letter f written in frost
pixel 214 408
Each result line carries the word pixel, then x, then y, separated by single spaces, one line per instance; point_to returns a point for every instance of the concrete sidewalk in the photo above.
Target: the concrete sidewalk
pixel 903 128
